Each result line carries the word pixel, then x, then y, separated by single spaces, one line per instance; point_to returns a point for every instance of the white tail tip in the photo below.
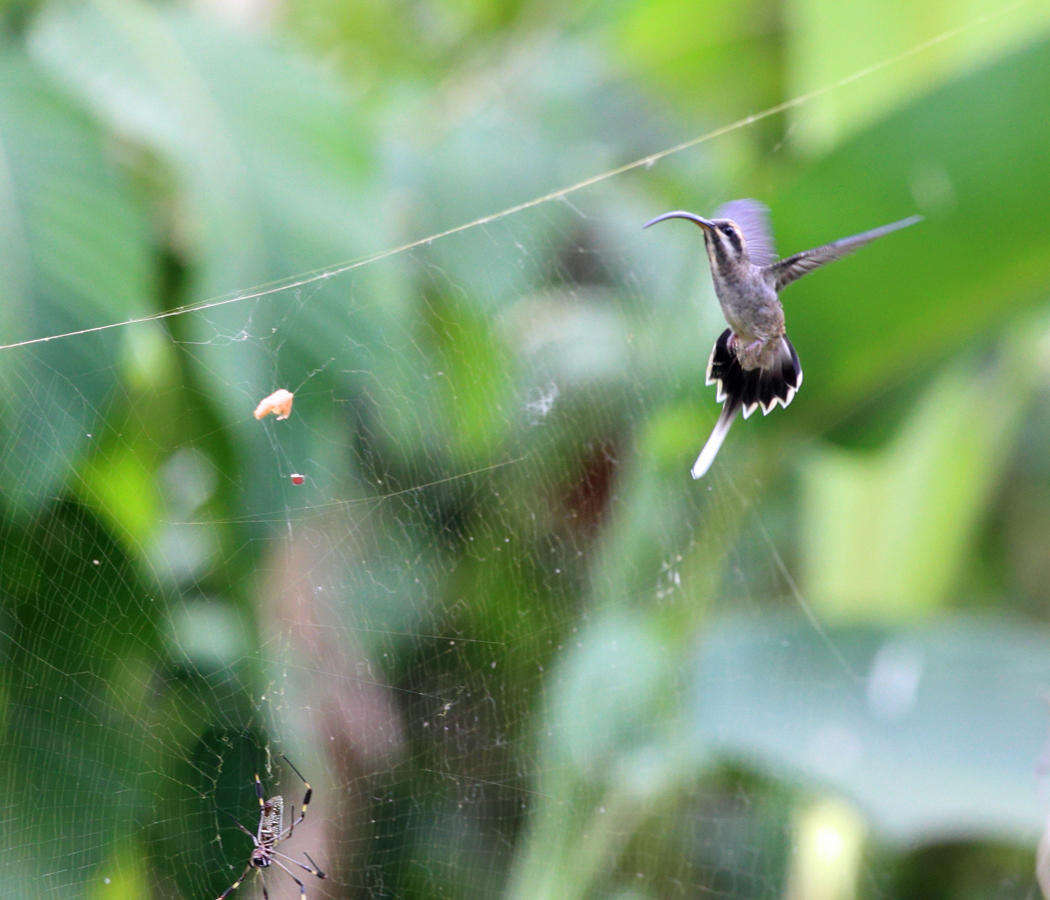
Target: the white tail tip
pixel 714 442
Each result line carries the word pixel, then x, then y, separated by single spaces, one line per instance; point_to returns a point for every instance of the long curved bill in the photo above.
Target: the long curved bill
pixel 706 224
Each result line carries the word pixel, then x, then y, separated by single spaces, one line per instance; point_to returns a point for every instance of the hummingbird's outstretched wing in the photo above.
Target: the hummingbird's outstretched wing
pixel 792 268
pixel 753 219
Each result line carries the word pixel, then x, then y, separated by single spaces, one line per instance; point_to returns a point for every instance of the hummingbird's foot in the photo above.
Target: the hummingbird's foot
pixel 753 347
pixel 755 355
pixel 734 345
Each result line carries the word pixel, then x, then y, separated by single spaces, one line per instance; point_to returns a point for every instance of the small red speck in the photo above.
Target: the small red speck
pixel 297 478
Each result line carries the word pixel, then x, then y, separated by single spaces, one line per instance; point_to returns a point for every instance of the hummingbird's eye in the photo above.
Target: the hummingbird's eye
pixel 733 237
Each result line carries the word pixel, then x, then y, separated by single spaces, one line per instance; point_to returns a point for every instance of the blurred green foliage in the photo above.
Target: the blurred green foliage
pixel 517 650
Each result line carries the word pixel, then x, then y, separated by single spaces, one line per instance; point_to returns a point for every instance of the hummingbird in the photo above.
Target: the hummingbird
pixel 753 364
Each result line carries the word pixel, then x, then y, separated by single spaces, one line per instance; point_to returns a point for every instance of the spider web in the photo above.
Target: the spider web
pixel 488 626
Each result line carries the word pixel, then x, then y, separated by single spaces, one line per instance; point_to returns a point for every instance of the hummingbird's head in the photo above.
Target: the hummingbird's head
pixel 723 238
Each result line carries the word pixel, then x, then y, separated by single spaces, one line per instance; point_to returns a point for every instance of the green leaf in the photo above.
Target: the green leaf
pixel 268 160
pixel 74 634
pixel 885 532
pixel 826 42
pixel 74 253
pixel 970 155
pixel 935 732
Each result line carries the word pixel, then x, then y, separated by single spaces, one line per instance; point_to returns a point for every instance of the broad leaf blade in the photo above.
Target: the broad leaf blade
pixel 74 254
pixel 936 732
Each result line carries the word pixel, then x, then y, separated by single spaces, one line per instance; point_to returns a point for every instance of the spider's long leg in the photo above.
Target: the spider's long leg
pixel 287 833
pixel 236 884
pixel 309 790
pixel 239 825
pixel 316 870
pixel 288 872
pixel 259 791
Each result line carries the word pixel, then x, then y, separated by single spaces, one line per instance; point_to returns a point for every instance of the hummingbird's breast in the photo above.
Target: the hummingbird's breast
pixel 750 305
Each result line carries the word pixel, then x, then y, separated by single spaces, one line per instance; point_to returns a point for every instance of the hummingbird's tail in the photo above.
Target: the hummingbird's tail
pixel 746 390
pixel 714 442
pixel 762 387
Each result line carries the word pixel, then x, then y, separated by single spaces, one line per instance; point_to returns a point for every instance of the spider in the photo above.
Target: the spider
pixel 271 832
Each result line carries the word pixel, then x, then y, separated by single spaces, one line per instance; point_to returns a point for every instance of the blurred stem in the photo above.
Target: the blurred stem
pixel 668 542
pixel 558 866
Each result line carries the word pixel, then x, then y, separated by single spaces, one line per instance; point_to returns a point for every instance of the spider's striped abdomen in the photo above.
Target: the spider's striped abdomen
pixel 271 821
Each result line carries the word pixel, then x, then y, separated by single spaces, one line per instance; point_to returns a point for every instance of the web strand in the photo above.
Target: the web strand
pixel 315 276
